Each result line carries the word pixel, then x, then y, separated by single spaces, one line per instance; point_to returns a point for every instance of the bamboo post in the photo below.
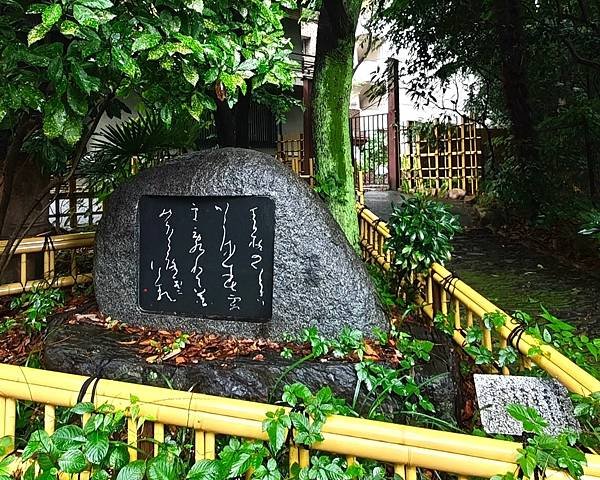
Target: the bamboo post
pixel 199 447
pixel 399 470
pixel 448 172
pixel 437 159
pixel 23 271
pixel 294 456
pixel 132 438
pixel 159 436
pixel 463 158
pixel 304 457
pixel 49 419
pixel 209 445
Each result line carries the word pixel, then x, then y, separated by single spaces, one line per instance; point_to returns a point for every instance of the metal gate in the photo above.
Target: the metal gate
pixel 369 142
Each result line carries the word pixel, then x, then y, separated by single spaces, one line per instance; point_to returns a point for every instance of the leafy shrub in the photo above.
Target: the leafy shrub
pixel 542 451
pixel 591 224
pixel 421 231
pixel 37 305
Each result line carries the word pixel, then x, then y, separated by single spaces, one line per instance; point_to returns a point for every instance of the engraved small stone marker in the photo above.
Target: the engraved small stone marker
pixel 547 396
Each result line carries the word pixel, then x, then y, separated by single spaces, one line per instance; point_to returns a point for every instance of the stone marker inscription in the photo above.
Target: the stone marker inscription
pixel 209 257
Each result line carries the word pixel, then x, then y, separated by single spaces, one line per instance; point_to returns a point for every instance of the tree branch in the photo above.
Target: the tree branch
pixel 21 231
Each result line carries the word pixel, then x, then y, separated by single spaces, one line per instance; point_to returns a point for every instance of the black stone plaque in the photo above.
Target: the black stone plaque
pixel 209 257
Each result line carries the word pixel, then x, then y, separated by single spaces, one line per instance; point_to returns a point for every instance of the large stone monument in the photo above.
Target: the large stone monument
pixel 229 241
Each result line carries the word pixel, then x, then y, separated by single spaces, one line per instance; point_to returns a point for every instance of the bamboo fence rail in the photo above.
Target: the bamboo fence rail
pixel 406 448
pixel 49 247
pixel 447 294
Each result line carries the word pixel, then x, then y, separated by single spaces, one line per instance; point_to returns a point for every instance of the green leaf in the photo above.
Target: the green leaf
pixel 86 84
pixel 97 447
pixel 100 475
pixel 133 471
pixel 51 14
pixel 161 468
pixel 276 425
pixel 68 436
pixel 196 5
pixel 83 407
pixel 125 62
pixel 100 4
pixel 37 33
pixel 72 461
pixel 68 27
pixel 119 457
pixel 85 16
pixel 532 421
pixel 204 470
pixel 190 74
pixel 72 129
pixel 196 106
pixel 39 442
pixel 146 41
pixel 211 75
pixel 77 100
pixel 55 117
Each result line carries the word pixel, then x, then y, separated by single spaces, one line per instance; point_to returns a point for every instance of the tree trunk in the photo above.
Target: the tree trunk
pixel 232 123
pixel 242 112
pixel 529 175
pixel 225 124
pixel 29 182
pixel 331 102
pixel 22 182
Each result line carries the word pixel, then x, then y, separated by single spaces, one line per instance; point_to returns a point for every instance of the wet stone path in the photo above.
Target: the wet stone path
pixel 514 276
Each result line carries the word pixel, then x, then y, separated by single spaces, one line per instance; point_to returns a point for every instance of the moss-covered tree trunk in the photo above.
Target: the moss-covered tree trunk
pixel 331 103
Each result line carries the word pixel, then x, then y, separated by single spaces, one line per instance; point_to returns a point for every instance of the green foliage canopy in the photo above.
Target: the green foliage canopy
pixel 64 63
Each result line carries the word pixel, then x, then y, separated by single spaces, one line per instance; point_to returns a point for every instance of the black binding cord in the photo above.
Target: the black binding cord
pixel 93 379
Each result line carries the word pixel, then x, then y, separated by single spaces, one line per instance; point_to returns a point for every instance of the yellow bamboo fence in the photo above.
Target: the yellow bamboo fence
pixel 406 448
pixel 448 157
pixel 291 152
pixel 447 294
pixel 52 248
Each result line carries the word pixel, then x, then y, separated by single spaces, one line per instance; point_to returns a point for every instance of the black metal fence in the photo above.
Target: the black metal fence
pixel 369 141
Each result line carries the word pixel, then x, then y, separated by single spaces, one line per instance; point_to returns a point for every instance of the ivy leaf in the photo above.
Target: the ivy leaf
pixel 133 471
pixel 72 461
pixel 146 41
